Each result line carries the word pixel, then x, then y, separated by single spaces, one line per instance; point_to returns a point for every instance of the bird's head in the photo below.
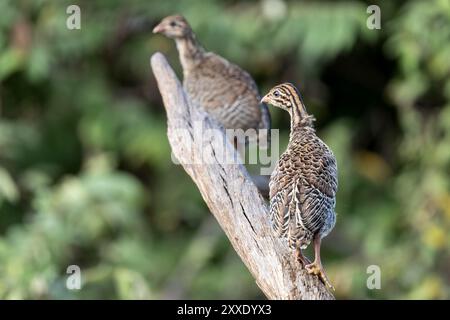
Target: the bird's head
pixel 282 96
pixel 287 97
pixel 173 27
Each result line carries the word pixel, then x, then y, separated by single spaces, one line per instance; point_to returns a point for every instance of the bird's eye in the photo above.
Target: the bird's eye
pixel 276 93
pixel 173 23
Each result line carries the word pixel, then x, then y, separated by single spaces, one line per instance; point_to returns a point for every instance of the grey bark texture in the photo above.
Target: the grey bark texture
pixel 230 194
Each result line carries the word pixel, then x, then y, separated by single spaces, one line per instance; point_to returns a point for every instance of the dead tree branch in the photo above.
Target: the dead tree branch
pixel 231 195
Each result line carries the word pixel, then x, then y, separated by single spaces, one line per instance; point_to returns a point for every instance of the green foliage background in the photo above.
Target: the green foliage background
pixel 85 170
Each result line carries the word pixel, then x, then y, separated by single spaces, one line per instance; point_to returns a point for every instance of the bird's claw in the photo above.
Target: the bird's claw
pixel 316 269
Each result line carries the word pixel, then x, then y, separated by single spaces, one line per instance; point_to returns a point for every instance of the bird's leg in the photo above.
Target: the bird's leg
pixel 295 244
pixel 300 257
pixel 316 267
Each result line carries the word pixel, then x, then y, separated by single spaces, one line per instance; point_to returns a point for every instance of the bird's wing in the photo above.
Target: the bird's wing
pixel 250 87
pixel 318 166
pixel 279 212
pixel 317 190
pixel 235 76
pixel 234 72
pixel 281 187
pixel 232 87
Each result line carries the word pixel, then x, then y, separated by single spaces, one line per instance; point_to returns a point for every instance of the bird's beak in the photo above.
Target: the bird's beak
pixel 158 29
pixel 265 99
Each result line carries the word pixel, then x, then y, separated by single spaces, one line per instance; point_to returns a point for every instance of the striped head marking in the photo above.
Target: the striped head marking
pixel 287 97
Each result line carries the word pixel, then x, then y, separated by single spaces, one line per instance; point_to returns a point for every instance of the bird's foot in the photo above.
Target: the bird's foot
pixel 317 269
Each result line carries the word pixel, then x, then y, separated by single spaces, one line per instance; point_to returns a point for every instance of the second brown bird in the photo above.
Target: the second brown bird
pixel 224 90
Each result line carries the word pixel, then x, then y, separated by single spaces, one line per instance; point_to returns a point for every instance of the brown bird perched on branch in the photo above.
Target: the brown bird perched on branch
pixel 224 90
pixel 304 183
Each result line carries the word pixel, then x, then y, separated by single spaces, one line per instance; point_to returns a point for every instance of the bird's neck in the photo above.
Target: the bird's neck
pixel 299 116
pixel 302 126
pixel 190 51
